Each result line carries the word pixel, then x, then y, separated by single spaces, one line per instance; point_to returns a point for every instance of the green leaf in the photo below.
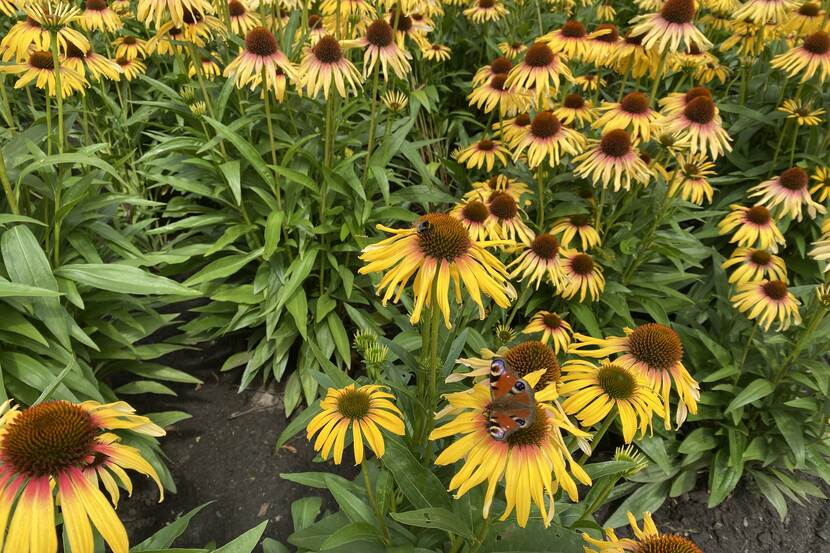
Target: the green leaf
pixel 223 267
pixel 244 147
pixel 722 477
pixel 792 430
pixel 304 511
pixel 273 231
pixel 355 508
pixel 16 289
pixel 648 497
pixel 699 439
pixel 418 484
pixel 244 543
pixel 123 279
pixel 771 492
pixel 299 422
pixel 167 535
pixel 354 532
pixel 270 545
pixel 73 158
pixel 230 170
pixel 585 316
pixel 435 517
pixel 756 390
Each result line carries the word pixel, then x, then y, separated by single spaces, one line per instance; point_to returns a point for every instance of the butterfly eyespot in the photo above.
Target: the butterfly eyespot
pixel 521 422
pixel 520 386
pixel 424 227
pixel 497 366
pixel 497 433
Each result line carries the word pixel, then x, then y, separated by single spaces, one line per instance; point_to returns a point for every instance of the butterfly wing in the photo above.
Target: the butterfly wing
pixel 513 405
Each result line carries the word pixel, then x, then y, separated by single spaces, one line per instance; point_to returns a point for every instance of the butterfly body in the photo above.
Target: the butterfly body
pixel 512 406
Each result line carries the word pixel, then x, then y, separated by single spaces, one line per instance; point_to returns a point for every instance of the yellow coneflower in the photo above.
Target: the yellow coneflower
pixel 670 28
pixel 710 70
pixel 130 47
pixel 437 249
pixel 676 102
pixel 131 69
pixel 540 258
pixel 632 113
pixel 58 453
pixel 380 45
pixel 806 19
pixel 499 66
pixel 606 12
pixel 655 351
pixel 575 109
pixel 755 264
pixel 404 26
pixel 539 69
pixel 421 23
pixel 764 11
pixel 701 122
pixel 485 10
pixel 603 44
pixel 532 460
pixel 578 225
pixel 821 247
pixel 23 36
pixel 483 153
pixel 821 188
pixel 122 8
pixel 475 216
pixel 803 114
pixel 547 139
pixel 589 83
pixel 631 57
pixel 208 67
pixel 768 301
pixel 357 9
pixel 572 39
pixel 43 20
pixel 199 27
pixel 785 194
pixel 583 276
pixel 513 129
pixel 39 68
pixel 394 100
pixel 647 539
pixel 242 17
pixel 691 57
pixel 97 15
pixel 525 358
pixel 169 40
pixel 260 57
pixel 487 96
pixel 512 49
pixel 156 11
pixel 811 58
pixel 97 65
pixel 324 64
pixel 612 159
pixel 505 221
pixel 755 225
pixel 366 409
pixel 499 183
pixel 8 7
pixel 719 21
pixel 553 328
pixel 691 178
pixel 436 52
pixel 315 29
pixel 595 392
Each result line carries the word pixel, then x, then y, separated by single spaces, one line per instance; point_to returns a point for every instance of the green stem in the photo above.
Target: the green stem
pixel 657 76
pixel 480 536
pixel 7 188
pixel 7 112
pixel 381 518
pixel 540 197
pixel 606 424
pixel 48 125
pixel 372 124
pixel 745 353
pixel 266 98
pixel 58 90
pixel 197 64
pixel 816 318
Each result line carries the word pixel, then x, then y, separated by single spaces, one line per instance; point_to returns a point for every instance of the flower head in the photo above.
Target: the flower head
pixel 767 301
pixel 691 179
pixel 553 327
pixel 583 276
pixel 547 139
pixel 755 264
pixel 785 194
pixel 809 59
pixel 39 68
pixel 646 540
pixel 483 153
pixel 612 159
pixel 324 64
pixel 575 109
pixel 754 225
pixel 802 113
pixel 379 41
pixel 539 259
pixel 261 57
pixel 701 123
pixel 573 226
pixel 539 69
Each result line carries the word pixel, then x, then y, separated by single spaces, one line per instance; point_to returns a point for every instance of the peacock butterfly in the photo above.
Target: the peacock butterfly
pixel 512 404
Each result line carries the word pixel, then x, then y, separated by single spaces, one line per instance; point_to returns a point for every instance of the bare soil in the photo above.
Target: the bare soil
pixel 225 454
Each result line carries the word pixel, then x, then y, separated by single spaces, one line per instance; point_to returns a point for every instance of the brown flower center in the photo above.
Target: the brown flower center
pixel 545 246
pixel 794 179
pixel 612 36
pixel 73 51
pixel 475 211
pixel 758 215
pixel 775 290
pixel 327 50
pixel 539 55
pixel 315 21
pixel 522 120
pixel 582 264
pixel 191 17
pixel 486 145
pixel 817 43
pixel 615 143
pixel 122 61
pixel 353 404
pixel 486 4
pixel 129 40
pixel 573 29
pixel 697 92
pixel 41 59
pixel 261 42
pixel 808 9
pixel 96 5
pixel 634 102
pixel 667 543
pixel 379 33
pixel 533 356
pixel 616 382
pixel 635 40
pixel 503 206
pixel 656 346
pixel 760 257
pixel 678 12
pixel 574 101
pixel 533 435
pixel 404 21
pixel 237 9
pixel 701 110
pixel 579 220
pixel 442 237
pixel 497 81
pixel 545 125
pixel 551 321
pixel 694 49
pixel 500 65
pixel 48 438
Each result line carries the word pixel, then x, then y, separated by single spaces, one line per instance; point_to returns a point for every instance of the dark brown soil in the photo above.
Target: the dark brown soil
pixel 225 453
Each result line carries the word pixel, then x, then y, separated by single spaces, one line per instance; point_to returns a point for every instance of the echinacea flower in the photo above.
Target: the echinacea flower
pixel 379 41
pixel 785 195
pixel 505 221
pixel 575 109
pixel 612 159
pixel 821 188
pixel 539 69
pixel 25 35
pixel 589 83
pixel 59 453
pixel 130 47
pixel 499 183
pixel 437 250
pixel 475 216
pixel 493 93
pixel 755 264
pixel 576 226
pixel 436 52
pixel 525 358
pixel 169 40
pixel 701 123
pixel 604 40
pixel 44 21
pixel 156 11
pixel 97 15
pixel 39 68
pixel 131 69
pixel 761 12
pixel 512 49
pixel 483 153
pixel 809 59
pixel 512 129
pixel 631 57
pixel 366 409
pixel 583 276
pixel 485 10
pixel 547 139
pixel 533 461
pixel 648 540
pixel 802 113
pixel 821 247
pixel 207 67
pixel 553 328
pixel 755 226
pixel 97 65
pixel 594 392
pixel 572 39
pixel 394 100
pixel 632 113
pixel 670 28
pixel 606 12
pixel 768 301
pixel 539 259
pixel 691 179
pixel 261 57
pixel 655 351
pixel 324 64
pixel 806 19
pixel 675 102
pixel 499 66
pixel 242 17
